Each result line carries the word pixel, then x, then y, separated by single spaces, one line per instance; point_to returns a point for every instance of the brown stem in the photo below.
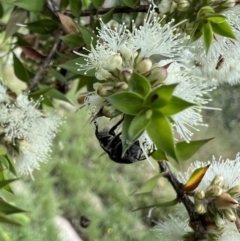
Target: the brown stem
pixel 196 220
pixel 118 9
pixel 43 67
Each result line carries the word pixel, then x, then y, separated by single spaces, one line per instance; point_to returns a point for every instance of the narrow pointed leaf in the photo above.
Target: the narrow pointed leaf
pixel 160 131
pixel 160 96
pixel 126 102
pixel 74 67
pixel 44 26
pixel 17 16
pixel 72 40
pixel 11 167
pixel 149 185
pixel 8 208
pixel 6 182
pixel 19 70
pixel 196 32
pixel 195 179
pixel 68 24
pixel 131 3
pixel 97 3
pixel 5 219
pixel 174 106
pixel 139 125
pixel 108 16
pixel 89 37
pixel 186 150
pixel 31 6
pixel 125 126
pixel 75 6
pixel 217 18
pixel 207 35
pixel 163 204
pixel 223 29
pixel 53 93
pixel 139 84
pixel 159 155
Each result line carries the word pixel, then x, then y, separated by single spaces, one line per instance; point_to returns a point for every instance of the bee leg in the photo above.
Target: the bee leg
pixel 112 130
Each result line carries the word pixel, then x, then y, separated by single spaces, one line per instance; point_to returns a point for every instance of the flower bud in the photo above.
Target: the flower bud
pixel 183 5
pixel 225 201
pixel 199 206
pixel 229 215
pixel 114 62
pixel 228 4
pixel 217 180
pixel 164 6
pixel 158 74
pixel 199 195
pixel 121 86
pixel 213 191
pixel 102 74
pixel 104 91
pixel 234 191
pixel 219 221
pixel 144 65
pixel 109 111
pixel 127 74
pixel 126 52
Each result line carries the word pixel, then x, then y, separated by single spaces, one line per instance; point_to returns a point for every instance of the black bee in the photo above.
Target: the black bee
pixel 111 143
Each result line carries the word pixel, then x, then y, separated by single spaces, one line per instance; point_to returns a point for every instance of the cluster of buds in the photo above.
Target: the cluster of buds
pixel 218 201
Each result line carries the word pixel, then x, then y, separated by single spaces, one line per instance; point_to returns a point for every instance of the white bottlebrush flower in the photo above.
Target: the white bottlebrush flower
pixel 173 228
pixel 221 62
pixel 192 89
pixel 35 132
pixel 118 48
pixel 228 169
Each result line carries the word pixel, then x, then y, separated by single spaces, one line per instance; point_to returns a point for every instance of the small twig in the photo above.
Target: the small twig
pixel 34 81
pixel 196 221
pixel 119 9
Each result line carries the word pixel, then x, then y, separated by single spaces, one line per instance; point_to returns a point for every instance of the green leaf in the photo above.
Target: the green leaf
pixel 5 219
pixel 108 16
pixel 64 4
pixel 31 6
pixel 44 26
pixel 174 106
pixel 75 6
pixel 139 84
pixel 186 150
pixel 17 16
pixel 126 102
pixel 207 34
pixel 223 29
pixel 97 3
pixel 217 18
pixel 73 66
pixel 72 40
pixel 131 3
pixel 55 94
pixel 36 94
pixel 149 185
pixel 8 208
pixel 1 10
pixel 6 182
pixel 139 125
pixel 57 74
pixel 160 131
pixel 86 81
pixel 197 32
pixel 89 37
pixel 160 96
pixel 195 178
pixel 125 126
pixel 158 155
pixel 3 150
pixel 163 204
pixel 11 167
pixel 20 71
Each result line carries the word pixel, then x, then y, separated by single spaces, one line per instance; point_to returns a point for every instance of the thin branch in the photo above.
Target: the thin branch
pixel 196 220
pixel 119 9
pixel 34 81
